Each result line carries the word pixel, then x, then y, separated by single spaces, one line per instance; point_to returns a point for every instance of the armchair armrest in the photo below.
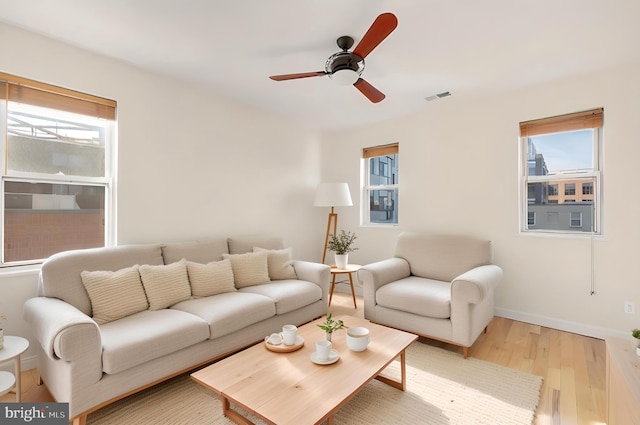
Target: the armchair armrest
pixel 316 273
pixel 62 330
pixel 375 275
pixel 474 285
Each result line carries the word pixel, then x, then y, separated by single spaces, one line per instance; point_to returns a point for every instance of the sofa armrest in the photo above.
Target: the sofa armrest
pixel 316 273
pixel 375 275
pixel 473 286
pixel 62 330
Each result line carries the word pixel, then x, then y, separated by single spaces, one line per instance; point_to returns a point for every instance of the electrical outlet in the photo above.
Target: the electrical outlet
pixel 629 307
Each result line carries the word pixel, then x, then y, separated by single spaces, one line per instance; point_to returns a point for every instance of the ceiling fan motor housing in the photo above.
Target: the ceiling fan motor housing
pixel 344 67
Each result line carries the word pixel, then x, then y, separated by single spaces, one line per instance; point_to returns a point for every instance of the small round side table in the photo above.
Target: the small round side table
pixel 7 381
pixel 351 268
pixel 13 348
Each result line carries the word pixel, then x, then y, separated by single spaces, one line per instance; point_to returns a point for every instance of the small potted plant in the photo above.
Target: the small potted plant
pixel 635 335
pixel 342 245
pixel 330 325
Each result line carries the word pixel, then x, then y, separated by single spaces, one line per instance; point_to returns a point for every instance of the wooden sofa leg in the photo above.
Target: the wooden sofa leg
pixel 465 351
pixel 485 329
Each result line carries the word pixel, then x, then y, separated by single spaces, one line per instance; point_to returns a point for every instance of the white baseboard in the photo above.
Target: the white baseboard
pixel 26 363
pixel 563 325
pixel 343 287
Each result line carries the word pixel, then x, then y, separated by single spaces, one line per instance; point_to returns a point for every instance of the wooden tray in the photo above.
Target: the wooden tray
pixel 281 348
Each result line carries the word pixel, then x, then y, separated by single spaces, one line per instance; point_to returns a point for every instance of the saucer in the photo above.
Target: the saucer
pixel 333 357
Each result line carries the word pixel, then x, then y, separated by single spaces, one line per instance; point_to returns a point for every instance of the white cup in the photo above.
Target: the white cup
pixel 289 334
pixel 274 339
pixel 323 348
pixel 358 338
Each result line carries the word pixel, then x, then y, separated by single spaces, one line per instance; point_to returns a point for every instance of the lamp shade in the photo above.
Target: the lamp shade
pixel 333 195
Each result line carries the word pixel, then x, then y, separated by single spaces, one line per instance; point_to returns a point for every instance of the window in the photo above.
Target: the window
pixel 56 171
pixel 575 219
pixel 560 157
pixel 380 185
pixel 570 189
pixel 531 218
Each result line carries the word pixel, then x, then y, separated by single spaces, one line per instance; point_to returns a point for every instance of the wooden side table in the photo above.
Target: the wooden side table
pixel 351 268
pixel 13 348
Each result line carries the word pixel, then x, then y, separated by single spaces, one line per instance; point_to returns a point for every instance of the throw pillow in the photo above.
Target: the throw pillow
pixel 165 285
pixel 249 269
pixel 279 262
pixel 114 295
pixel 212 278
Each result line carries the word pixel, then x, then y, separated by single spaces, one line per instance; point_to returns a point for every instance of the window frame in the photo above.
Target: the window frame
pixel 26 91
pixel 367 187
pixel 585 120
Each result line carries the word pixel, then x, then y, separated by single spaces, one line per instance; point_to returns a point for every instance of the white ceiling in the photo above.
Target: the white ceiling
pixel 467 47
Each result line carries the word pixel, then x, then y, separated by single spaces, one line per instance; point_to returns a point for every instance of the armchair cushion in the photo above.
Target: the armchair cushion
pixel 425 297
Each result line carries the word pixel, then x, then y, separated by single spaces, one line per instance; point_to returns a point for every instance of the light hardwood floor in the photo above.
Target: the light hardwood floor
pixel 573 366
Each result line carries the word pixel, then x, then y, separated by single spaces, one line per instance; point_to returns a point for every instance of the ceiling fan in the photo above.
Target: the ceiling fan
pixel 345 67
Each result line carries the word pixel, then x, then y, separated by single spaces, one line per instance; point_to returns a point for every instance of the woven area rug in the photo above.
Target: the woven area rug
pixel 442 388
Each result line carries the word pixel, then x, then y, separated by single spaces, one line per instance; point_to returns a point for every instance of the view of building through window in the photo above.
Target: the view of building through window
pixel 561 176
pixel 56 177
pixel 380 204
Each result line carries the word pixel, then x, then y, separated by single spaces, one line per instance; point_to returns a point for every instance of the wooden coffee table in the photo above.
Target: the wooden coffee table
pixel 288 388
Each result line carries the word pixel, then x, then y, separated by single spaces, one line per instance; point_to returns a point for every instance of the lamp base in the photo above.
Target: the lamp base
pixel 333 217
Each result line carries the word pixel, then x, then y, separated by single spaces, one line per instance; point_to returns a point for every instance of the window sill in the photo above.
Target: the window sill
pixel 27 269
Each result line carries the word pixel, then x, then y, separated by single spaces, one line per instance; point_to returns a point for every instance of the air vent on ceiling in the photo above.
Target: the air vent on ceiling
pixel 437 96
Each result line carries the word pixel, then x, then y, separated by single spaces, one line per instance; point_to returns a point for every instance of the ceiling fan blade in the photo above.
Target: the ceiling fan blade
pixel 300 75
pixel 379 30
pixel 372 93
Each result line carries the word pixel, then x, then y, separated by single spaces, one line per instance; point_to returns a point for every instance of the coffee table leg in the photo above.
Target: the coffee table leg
pixel 232 414
pixel 402 383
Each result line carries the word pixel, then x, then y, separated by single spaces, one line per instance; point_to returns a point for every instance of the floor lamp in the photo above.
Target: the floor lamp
pixel 332 195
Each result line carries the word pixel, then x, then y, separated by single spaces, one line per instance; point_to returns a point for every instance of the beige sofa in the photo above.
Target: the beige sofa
pixel 93 350
pixel 438 286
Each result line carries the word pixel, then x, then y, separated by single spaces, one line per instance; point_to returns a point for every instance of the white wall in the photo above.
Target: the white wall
pixel 191 164
pixel 459 173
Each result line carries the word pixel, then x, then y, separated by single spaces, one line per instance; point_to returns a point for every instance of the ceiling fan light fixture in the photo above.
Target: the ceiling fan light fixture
pixel 345 77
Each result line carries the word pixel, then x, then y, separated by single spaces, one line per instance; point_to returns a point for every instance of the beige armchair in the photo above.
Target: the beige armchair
pixel 438 286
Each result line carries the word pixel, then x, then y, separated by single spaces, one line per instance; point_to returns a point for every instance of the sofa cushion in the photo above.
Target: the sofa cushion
pixel 114 295
pixel 229 312
pixel 202 252
pixel 212 278
pixel 279 262
pixel 442 257
pixel 249 269
pixel 425 297
pixel 288 295
pixel 165 285
pixel 240 245
pixel 148 335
